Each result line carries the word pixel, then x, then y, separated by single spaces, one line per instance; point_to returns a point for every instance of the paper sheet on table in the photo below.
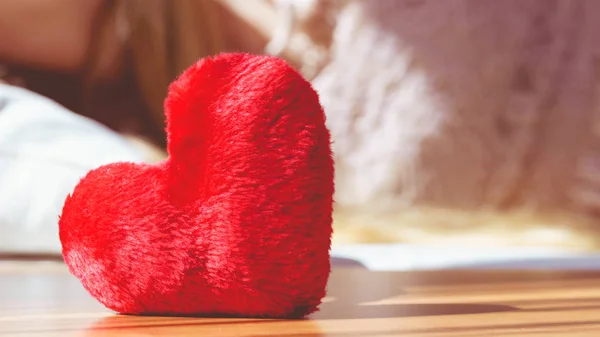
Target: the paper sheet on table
pixel 417 257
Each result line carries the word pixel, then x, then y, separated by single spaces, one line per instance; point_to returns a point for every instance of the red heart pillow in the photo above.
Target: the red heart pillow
pixel 236 222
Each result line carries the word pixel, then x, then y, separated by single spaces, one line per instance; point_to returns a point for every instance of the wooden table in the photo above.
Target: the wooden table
pixel 44 300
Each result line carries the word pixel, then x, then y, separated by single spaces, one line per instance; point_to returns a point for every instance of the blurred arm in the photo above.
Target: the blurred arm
pixel 51 34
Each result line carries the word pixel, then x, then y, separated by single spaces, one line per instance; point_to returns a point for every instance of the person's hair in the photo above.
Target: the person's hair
pixel 157 40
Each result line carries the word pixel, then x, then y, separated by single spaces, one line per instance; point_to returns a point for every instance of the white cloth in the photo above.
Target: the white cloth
pixel 44 151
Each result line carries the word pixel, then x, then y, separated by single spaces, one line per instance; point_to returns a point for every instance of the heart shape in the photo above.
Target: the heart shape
pixel 236 222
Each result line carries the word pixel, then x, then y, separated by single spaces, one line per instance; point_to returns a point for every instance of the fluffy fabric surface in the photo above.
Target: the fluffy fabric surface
pixel 236 222
pixel 463 122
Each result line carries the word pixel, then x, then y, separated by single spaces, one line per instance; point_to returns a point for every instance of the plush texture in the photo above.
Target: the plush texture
pixel 460 121
pixel 236 222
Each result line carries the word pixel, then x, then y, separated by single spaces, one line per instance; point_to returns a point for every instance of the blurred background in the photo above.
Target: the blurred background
pixel 456 123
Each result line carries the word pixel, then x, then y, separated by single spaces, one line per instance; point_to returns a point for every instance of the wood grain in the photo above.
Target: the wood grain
pixel 44 300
